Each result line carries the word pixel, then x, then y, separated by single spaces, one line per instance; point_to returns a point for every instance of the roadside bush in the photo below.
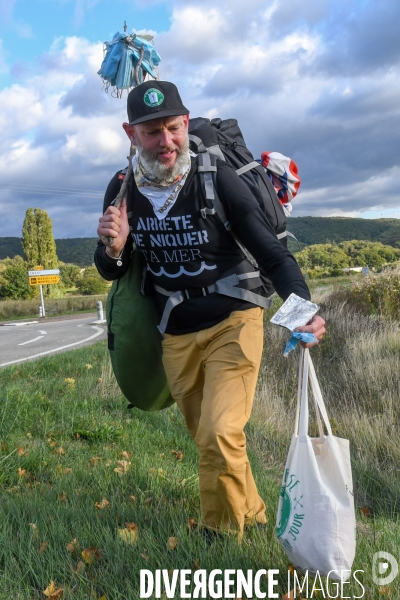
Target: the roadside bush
pixel 15 283
pixel 92 283
pixel 321 273
pixel 374 294
pixel 70 274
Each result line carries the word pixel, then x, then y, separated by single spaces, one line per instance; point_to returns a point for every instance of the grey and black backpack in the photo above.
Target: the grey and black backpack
pixel 222 139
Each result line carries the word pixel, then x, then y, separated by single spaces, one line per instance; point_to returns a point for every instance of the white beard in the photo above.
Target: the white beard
pixel 159 172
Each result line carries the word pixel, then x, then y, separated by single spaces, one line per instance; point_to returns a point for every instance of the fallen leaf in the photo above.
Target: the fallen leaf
pixel 21 451
pixel 148 500
pixel 146 558
pixel 52 444
pixel 35 531
pixel 196 565
pixel 70 381
pixel 89 366
pixel 91 555
pixel 51 591
pixel 384 591
pixel 123 467
pixel 60 470
pixel 43 547
pixel 95 459
pixel 125 454
pixel 103 504
pixel 59 451
pixel 14 488
pixel 191 524
pixel 63 497
pixel 73 546
pixel 80 568
pixel 22 472
pixel 132 498
pixel 172 543
pixel 178 454
pixel 366 511
pixel 100 380
pixel 162 455
pixel 103 598
pixel 130 534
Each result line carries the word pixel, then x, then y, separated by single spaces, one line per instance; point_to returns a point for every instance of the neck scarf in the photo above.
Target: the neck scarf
pixel 161 194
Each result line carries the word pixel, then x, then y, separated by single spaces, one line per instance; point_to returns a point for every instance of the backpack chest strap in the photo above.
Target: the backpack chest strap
pixel 227 286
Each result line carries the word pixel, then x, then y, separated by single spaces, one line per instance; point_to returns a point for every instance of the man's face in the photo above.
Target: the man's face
pixel 162 140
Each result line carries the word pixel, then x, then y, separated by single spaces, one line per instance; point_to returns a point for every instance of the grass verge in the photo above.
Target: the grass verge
pixel 91 493
pixel 13 310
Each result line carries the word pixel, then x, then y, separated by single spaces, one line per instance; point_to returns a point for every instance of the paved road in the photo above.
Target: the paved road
pixel 29 341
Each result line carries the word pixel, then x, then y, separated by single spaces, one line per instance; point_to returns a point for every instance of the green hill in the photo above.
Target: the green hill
pixel 78 251
pixel 328 230
pixel 308 231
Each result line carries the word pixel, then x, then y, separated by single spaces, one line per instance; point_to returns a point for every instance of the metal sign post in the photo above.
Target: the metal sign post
pixel 40 276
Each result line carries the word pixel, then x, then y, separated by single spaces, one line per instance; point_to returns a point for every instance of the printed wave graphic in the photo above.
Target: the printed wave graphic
pixel 182 271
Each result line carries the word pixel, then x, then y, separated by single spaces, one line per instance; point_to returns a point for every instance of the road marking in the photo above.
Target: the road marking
pixel 30 341
pixel 42 332
pixel 20 324
pixel 12 362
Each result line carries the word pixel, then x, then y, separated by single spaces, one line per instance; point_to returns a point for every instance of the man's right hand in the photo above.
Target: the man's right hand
pixel 114 224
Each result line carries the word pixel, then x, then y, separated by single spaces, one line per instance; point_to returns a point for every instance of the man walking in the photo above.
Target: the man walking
pixel 212 341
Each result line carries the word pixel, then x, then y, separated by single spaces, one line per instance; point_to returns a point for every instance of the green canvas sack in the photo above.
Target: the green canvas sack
pixel 134 341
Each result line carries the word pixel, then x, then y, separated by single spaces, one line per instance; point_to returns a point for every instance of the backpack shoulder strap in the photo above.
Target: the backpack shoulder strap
pixel 208 168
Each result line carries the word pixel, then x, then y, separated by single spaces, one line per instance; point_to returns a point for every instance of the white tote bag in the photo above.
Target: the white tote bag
pixel 316 520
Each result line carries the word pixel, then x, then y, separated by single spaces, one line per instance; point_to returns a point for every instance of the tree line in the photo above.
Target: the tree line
pixel 327 260
pixel 308 231
pixel 317 260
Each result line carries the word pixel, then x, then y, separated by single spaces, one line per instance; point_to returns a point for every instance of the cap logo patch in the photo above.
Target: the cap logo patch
pixel 153 97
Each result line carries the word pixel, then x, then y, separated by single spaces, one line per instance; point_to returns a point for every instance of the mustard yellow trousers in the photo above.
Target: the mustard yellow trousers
pixel 212 375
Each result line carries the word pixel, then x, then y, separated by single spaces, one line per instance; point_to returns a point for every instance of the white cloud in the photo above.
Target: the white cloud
pixel 274 67
pixel 377 193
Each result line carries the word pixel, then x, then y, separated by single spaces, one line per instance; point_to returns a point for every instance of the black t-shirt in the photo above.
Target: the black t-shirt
pixel 249 224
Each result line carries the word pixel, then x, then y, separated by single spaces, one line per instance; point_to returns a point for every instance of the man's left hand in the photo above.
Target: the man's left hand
pixel 315 326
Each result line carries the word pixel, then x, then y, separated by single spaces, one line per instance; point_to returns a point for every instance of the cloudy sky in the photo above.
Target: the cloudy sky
pixel 317 80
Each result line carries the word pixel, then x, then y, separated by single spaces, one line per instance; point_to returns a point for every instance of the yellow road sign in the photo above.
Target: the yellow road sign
pixel 44 280
pixel 38 268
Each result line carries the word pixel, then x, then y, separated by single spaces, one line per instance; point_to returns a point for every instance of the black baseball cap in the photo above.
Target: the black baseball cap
pixel 154 99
